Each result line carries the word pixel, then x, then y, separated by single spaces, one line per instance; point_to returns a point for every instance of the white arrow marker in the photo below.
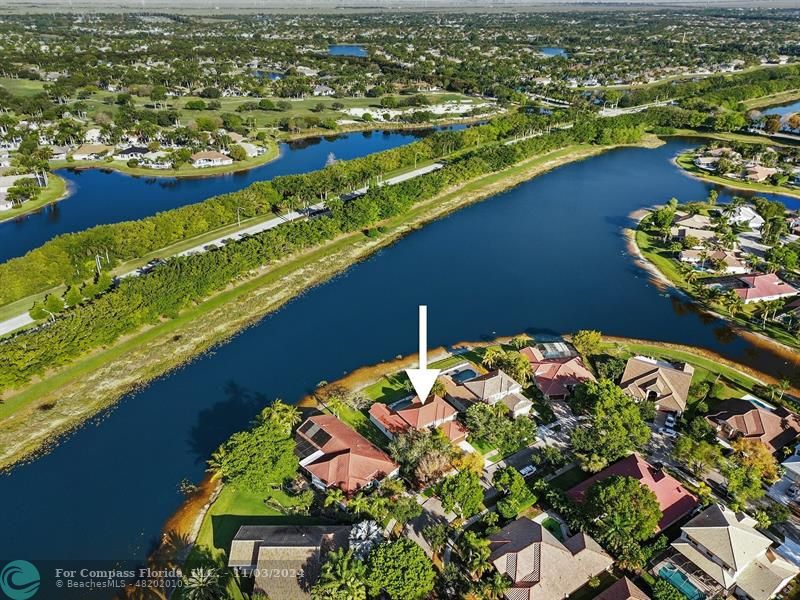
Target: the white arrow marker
pixel 423 378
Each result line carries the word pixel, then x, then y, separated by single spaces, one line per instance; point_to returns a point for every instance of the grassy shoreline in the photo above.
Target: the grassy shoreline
pixel 684 161
pixel 55 190
pixel 34 417
pixel 766 102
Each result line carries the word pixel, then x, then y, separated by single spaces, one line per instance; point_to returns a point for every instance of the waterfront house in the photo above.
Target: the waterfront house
pixel 741 418
pixel 335 455
pixel 210 158
pixel 556 376
pixel 58 152
pixel 92 152
pixel 540 566
pixel 674 500
pixel 284 560
pixel 491 388
pixel 623 589
pixel 720 553
pixel 657 381
pixel 731 265
pixel 407 414
pixel 759 173
pixel 131 152
pixel 747 216
pixel 707 163
pixel 8 181
pixel 692 221
pixel 252 150
pixel 755 287
pixel 700 235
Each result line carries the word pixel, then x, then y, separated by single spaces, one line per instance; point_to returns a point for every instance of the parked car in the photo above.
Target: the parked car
pixel 793 491
pixel 670 421
pixel 669 432
pixel 527 470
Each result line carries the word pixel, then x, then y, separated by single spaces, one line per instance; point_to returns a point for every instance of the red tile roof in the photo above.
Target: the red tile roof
pixel 416 415
pixel 555 376
pixel 349 460
pixel 763 286
pixel 673 499
pixel 454 431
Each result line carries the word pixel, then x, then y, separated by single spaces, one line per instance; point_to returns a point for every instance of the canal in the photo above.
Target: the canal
pixel 100 196
pixel 546 257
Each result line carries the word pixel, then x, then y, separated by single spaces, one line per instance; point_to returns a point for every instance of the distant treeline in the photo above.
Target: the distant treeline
pixel 182 281
pixel 719 90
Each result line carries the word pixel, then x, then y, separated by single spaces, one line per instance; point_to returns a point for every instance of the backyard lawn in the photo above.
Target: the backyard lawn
pixel 569 479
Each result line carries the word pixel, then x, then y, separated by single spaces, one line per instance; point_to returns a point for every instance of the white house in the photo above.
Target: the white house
pixel 5 160
pixel 323 90
pixel 252 150
pixel 211 158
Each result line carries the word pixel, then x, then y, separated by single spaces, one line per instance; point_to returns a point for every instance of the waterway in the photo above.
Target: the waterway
pixel 784 110
pixel 546 257
pixel 100 196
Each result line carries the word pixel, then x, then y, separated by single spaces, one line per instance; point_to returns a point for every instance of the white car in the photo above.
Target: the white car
pixel 669 432
pixel 670 421
pixel 527 470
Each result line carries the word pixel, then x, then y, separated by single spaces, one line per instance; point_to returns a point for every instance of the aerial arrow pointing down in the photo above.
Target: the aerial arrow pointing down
pixel 423 378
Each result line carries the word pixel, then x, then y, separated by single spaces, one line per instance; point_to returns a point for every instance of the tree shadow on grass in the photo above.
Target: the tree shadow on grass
pixel 224 527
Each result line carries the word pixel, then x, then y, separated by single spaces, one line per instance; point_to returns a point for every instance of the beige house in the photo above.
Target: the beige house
pixel 284 560
pixel 540 566
pixel 491 388
pixel 731 263
pixel 720 551
pixel 658 381
pixel 211 158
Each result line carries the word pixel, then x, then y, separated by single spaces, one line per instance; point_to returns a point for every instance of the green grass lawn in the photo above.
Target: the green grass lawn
pixel 569 479
pixel 22 87
pixel 685 161
pixel 232 509
pixel 55 190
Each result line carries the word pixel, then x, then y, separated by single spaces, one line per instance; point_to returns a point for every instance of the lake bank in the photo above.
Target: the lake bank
pixel 46 409
pixel 56 190
pixel 665 275
pixel 685 162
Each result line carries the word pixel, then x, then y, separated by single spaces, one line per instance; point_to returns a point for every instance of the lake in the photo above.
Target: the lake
pixel 782 109
pixel 101 196
pixel 546 257
pixel 550 51
pixel 347 50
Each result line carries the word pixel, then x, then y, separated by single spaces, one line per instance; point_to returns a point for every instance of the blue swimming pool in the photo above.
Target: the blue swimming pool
pixel 464 375
pixel 681 582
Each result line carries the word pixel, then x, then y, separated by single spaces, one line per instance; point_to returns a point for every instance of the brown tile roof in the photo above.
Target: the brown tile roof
pixel 556 376
pixel 623 589
pixel 349 460
pixel 673 499
pixel 740 418
pixel 541 567
pixel 668 384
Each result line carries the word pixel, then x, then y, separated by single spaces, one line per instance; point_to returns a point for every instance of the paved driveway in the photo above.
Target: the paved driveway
pixel 432 512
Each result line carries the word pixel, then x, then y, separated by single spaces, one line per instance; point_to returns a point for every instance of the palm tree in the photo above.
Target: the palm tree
pixel 216 461
pixel 733 302
pixel 783 386
pixel 204 583
pixel 282 414
pixel 496 587
pixel 359 503
pixel 334 497
pixel 342 576
pixel 475 553
pixel 492 357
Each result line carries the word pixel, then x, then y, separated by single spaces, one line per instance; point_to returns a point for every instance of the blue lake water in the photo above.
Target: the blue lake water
pixel 347 50
pixel 551 51
pixel 106 196
pixel 782 109
pixel 550 256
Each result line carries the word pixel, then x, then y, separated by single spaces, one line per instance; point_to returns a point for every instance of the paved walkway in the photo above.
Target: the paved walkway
pixel 23 320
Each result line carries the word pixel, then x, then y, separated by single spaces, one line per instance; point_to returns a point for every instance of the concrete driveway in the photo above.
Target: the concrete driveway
pixel 432 513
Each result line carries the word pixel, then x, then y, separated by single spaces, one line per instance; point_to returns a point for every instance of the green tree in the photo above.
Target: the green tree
pixel 342 577
pixel 237 153
pixel 73 296
pixel 622 509
pixel 401 570
pixel 587 342
pixel 462 493
pixel 699 456
pixel 664 590
pixel 436 536
pixel 614 429
pixel 204 583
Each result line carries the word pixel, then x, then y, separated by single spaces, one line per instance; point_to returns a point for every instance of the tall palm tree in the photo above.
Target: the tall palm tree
pixel 334 497
pixel 492 357
pixel 496 587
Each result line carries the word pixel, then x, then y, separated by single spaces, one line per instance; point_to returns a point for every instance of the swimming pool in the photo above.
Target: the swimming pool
pixel 463 375
pixel 681 582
